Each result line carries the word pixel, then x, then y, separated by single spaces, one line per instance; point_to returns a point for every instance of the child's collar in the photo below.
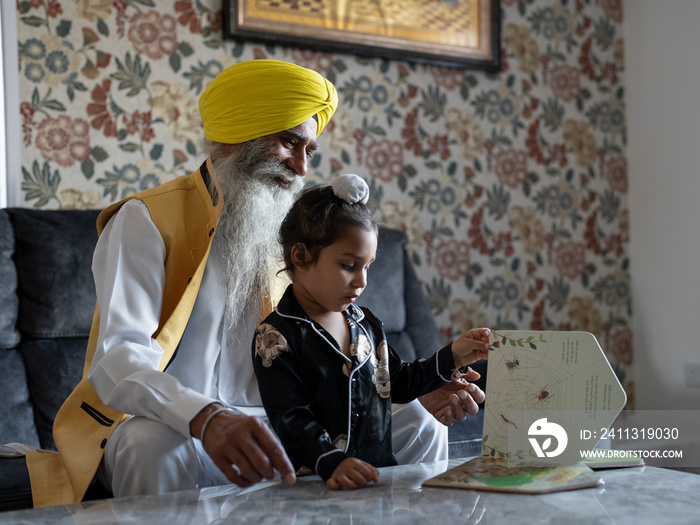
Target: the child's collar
pixel 354 313
pixel 291 307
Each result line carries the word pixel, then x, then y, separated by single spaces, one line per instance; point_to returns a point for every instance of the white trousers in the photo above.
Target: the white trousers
pixel 147 457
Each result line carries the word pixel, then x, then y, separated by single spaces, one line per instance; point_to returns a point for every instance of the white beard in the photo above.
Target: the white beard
pixel 253 209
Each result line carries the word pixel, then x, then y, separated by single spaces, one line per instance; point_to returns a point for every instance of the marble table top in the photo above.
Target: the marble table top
pixel 636 496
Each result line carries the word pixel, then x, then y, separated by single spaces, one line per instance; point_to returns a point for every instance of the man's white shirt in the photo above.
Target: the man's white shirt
pixel 212 362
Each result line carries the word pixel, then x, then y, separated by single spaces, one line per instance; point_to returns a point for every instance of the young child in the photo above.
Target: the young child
pixel 326 374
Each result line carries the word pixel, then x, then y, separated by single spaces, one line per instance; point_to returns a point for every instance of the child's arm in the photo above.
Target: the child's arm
pixel 352 473
pixel 471 346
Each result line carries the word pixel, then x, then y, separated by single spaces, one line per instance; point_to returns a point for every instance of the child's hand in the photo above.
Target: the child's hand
pixel 352 474
pixel 471 346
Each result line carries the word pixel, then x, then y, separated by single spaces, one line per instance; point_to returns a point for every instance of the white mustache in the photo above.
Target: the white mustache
pixel 274 170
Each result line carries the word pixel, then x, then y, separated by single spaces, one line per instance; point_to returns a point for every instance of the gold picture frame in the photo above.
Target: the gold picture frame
pixel 453 33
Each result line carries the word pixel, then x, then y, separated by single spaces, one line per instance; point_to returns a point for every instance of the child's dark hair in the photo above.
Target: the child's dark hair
pixel 318 218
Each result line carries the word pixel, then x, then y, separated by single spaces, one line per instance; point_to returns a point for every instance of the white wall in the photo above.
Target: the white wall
pixel 662 80
pixel 3 153
pixel 10 161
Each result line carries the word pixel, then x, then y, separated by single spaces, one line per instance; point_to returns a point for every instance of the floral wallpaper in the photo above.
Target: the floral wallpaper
pixel 512 187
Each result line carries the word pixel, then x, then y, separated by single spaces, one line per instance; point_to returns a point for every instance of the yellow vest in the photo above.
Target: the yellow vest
pixel 186 215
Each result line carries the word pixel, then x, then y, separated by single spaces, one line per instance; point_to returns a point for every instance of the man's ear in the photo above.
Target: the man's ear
pixel 300 255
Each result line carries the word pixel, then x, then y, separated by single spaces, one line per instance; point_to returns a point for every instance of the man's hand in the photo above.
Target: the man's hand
pixel 352 473
pixel 454 400
pixel 243 447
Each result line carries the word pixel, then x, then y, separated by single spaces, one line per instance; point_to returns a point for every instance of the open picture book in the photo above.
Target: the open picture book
pixel 497 475
pixel 550 396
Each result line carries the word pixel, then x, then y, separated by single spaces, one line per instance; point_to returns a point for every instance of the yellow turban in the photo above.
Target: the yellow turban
pixel 260 97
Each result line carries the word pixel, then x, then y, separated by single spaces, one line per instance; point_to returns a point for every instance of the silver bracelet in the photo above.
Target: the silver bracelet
pixel 209 418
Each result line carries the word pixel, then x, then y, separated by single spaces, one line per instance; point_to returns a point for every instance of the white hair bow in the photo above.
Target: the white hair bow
pixel 351 188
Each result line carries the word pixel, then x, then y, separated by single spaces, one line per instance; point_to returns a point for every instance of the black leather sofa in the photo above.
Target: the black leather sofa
pixel 47 300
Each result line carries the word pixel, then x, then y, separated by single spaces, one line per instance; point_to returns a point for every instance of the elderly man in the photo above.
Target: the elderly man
pixel 183 274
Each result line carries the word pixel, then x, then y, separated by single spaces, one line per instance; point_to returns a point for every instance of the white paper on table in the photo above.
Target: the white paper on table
pixel 15 450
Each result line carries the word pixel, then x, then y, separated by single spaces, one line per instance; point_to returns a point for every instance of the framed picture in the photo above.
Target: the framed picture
pixel 453 33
